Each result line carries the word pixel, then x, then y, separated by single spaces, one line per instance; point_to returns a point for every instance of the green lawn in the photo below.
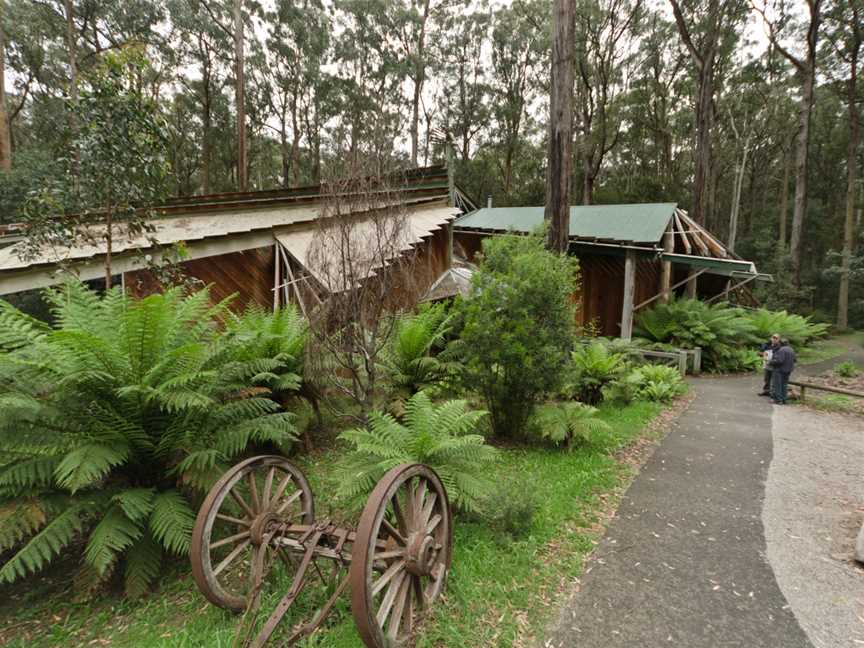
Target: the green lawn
pixel 500 588
pixel 821 350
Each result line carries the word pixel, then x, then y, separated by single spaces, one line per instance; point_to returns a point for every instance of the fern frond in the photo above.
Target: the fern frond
pixel 171 521
pixel 112 535
pixel 143 562
pixel 45 545
pixel 88 464
pixel 136 503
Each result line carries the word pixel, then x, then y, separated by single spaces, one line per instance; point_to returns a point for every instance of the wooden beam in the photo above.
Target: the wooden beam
pixel 659 295
pixel 687 247
pixel 666 266
pixel 732 287
pixel 713 244
pixel 629 292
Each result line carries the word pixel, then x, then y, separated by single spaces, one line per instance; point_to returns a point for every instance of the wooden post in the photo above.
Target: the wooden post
pixel 277 276
pixel 629 291
pixel 682 362
pixel 666 266
pixel 690 291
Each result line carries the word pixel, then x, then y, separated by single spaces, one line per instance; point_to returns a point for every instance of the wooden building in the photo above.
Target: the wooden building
pixel 257 245
pixel 630 256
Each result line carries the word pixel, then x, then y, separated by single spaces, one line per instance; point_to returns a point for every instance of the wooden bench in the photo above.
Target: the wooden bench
pixel 834 390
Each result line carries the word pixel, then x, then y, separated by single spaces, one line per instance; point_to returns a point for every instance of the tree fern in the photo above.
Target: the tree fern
pixel 45 545
pixel 570 423
pixel 408 361
pixel 440 436
pixel 126 410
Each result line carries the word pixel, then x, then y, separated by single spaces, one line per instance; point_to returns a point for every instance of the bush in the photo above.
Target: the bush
pixel 799 330
pixel 510 508
pixel 594 367
pixel 846 369
pixel 440 436
pixel 659 383
pixel 570 424
pixel 518 330
pixel 113 421
pixel 719 330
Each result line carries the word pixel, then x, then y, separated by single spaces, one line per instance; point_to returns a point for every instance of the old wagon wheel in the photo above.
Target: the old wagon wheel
pixel 244 507
pixel 401 554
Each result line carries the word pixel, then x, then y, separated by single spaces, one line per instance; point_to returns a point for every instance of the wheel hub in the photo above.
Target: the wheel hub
pixel 420 554
pixel 262 525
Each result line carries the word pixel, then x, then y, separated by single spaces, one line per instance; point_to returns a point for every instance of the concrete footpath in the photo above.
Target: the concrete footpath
pixel 684 560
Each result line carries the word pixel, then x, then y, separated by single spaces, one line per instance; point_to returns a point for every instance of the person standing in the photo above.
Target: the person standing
pixel 767 349
pixel 782 364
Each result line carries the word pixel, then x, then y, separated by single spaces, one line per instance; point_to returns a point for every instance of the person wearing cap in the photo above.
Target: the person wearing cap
pixel 782 364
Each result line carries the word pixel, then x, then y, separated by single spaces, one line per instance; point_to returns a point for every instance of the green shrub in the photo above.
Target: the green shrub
pixel 846 369
pixel 594 367
pixel 570 423
pixel 440 436
pixel 653 382
pixel 519 324
pixel 799 330
pixel 407 361
pixel 113 421
pixel 510 508
pixel 719 330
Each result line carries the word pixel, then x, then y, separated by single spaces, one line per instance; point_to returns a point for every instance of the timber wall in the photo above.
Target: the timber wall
pixel 249 274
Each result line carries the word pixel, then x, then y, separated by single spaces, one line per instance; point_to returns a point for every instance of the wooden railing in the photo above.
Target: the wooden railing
pixel 834 390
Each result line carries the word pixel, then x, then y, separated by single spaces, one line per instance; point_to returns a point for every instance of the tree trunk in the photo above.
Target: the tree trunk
pixel 784 202
pixel 560 147
pixel 704 119
pixel 73 80
pixel 295 144
pixel 205 144
pixel 851 182
pixel 801 164
pixel 5 136
pixel 587 182
pixel 736 200
pixel 240 96
pixel 419 79
pixel 285 152
pixel 109 244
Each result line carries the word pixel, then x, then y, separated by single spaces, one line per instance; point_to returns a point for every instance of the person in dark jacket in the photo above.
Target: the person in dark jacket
pixel 766 350
pixel 782 363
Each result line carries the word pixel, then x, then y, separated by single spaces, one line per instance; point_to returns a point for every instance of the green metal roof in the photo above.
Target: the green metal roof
pixel 640 223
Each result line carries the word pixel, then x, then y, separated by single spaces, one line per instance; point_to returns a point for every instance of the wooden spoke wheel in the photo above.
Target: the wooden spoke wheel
pixel 254 500
pixel 401 555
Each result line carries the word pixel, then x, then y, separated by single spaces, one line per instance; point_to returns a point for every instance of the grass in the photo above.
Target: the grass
pixel 501 589
pixel 835 403
pixel 820 351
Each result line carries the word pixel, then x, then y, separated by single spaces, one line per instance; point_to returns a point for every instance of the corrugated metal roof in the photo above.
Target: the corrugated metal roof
pixel 312 249
pixel 167 231
pixel 639 223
